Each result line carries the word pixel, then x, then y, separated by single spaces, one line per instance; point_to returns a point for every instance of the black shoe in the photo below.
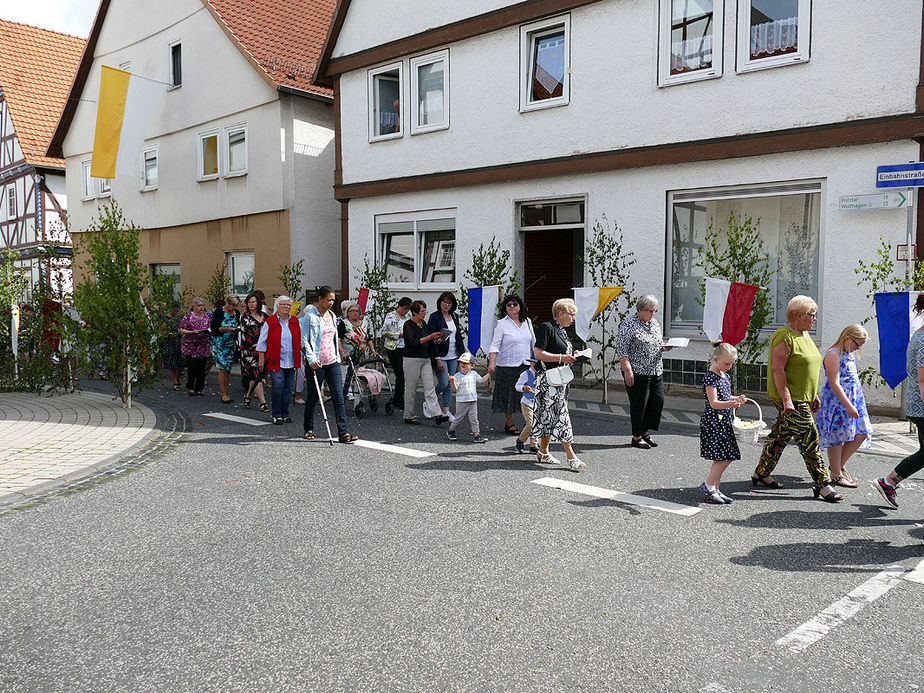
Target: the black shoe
pixel 831 497
pixel 412 422
pixel 440 419
pixel 277 421
pixel 650 442
pixel 763 480
pixel 640 444
pixel 287 419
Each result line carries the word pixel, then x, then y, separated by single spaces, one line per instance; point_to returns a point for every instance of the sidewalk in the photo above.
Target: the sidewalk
pixel 891 437
pixel 48 440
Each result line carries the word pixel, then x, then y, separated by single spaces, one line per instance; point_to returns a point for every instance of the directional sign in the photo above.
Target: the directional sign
pixel 890 200
pixel 900 175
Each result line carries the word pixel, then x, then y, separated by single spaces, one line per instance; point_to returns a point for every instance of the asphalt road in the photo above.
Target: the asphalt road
pixel 250 560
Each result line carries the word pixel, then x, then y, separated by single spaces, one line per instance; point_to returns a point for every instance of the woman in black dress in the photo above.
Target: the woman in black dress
pixel 251 324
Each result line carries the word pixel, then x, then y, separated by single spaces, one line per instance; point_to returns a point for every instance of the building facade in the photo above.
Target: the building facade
pixel 237 167
pixel 529 122
pixel 37 67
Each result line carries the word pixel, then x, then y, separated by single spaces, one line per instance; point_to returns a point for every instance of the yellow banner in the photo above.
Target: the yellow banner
pixel 606 296
pixel 110 111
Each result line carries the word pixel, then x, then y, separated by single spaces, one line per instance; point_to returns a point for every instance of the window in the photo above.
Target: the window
pixel 788 218
pixel 105 187
pixel 172 270
pixel 208 155
pixel 149 169
pixel 544 55
pixel 773 32
pixel 385 102
pixel 418 249
pixel 690 40
pixel 176 65
pixel 430 92
pixel 241 270
pixel 12 208
pixel 88 186
pixel 237 150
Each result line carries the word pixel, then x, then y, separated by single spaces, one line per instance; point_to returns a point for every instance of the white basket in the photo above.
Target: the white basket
pixel 749 431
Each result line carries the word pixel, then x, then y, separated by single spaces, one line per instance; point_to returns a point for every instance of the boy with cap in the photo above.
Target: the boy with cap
pixel 464 384
pixel 527 385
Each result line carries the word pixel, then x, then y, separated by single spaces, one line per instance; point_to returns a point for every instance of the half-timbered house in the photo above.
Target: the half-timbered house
pixel 37 67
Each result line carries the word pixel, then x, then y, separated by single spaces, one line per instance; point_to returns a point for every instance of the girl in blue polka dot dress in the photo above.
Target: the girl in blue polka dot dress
pixel 716 436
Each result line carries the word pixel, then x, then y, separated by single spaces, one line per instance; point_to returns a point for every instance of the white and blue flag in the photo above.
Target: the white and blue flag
pixel 482 316
pixel 897 321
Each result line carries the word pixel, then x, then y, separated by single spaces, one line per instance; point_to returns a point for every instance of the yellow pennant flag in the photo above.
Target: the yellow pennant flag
pixel 123 113
pixel 591 301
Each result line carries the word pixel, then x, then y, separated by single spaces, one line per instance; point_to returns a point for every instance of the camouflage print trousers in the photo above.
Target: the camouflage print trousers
pixel 798 426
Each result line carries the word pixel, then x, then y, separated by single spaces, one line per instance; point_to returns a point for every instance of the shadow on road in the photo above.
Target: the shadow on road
pixel 816 557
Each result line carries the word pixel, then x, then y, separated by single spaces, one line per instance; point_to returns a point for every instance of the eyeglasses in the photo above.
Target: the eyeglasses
pixel 512 304
pixel 813 316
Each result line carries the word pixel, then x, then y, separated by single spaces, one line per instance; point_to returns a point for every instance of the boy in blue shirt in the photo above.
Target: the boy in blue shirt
pixel 527 385
pixel 464 384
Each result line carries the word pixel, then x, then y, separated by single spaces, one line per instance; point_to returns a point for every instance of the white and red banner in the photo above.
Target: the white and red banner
pixel 728 310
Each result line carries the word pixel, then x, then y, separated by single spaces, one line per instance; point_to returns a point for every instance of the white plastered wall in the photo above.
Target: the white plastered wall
pixel 637 201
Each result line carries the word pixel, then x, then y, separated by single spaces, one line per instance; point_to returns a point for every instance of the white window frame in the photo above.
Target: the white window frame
pixel 415 65
pixel 104 186
pixel 373 101
pixel 144 156
pixel 87 182
pixel 231 259
pixel 226 149
pixel 528 34
pixel 11 201
pixel 801 55
pixel 171 77
pixel 200 159
pixel 414 218
pixel 665 78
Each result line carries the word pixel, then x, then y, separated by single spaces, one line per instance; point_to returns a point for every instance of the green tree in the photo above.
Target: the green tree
pixel 291 278
pixel 375 278
pixel 736 253
pixel 120 336
pixel 608 263
pixel 13 285
pixel 490 266
pixel 219 286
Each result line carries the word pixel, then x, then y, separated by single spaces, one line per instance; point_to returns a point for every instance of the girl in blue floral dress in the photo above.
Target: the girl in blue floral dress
pixel 843 422
pixel 716 436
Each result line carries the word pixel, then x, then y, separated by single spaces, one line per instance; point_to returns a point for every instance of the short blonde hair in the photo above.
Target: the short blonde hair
pixel 724 350
pixel 855 332
pixel 233 300
pixel 799 305
pixel 563 305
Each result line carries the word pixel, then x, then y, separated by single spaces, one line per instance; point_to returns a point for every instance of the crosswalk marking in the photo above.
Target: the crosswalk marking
pixel 598 492
pixel 236 419
pixel 410 452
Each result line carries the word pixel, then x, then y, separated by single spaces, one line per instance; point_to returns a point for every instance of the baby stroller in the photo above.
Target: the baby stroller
pixel 363 395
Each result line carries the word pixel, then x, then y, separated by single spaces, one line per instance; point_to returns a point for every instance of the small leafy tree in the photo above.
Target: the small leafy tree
pixel 736 253
pixel 490 267
pixel 120 337
pixel 607 263
pixel 219 285
pixel 13 285
pixel 291 278
pixel 375 278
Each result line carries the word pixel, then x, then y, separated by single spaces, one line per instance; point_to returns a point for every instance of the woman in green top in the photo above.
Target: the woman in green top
pixel 795 368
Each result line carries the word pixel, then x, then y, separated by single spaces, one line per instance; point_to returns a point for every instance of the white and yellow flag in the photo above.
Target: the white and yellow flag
pixel 123 113
pixel 591 301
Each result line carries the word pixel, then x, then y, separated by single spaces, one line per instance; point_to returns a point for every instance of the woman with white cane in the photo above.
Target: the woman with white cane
pixel 322 355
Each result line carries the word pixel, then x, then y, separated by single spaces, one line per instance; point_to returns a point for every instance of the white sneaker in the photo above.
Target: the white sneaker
pixel 298 400
pixel 426 411
pixel 450 415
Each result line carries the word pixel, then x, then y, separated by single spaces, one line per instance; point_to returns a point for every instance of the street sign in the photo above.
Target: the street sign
pixel 900 175
pixel 889 200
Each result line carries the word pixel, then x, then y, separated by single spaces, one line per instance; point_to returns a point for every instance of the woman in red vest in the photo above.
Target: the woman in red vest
pixel 279 352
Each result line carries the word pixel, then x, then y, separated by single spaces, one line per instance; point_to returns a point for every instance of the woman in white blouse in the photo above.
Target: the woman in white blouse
pixel 512 344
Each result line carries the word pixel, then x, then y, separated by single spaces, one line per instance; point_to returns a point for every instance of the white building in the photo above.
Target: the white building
pixel 529 121
pixel 238 164
pixel 37 67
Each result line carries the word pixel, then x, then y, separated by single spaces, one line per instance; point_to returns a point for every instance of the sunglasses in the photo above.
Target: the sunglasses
pixel 512 304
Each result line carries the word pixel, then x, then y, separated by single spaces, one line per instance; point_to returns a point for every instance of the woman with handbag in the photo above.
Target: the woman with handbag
pixel 553 351
pixel 511 345
pixel 639 346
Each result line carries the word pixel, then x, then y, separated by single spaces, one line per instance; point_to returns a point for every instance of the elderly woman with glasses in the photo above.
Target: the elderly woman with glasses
pixel 511 346
pixel 639 347
pixel 795 370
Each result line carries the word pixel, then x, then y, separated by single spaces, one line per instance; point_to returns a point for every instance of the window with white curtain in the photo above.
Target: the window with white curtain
pixel 545 58
pixel 429 92
pixel 690 42
pixel 418 249
pixel 773 33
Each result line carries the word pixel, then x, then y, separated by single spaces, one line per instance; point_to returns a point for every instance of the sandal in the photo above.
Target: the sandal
pixel 348 438
pixel 227 401
pixel 247 402
pixel 576 464
pixel 309 435
pixel 177 388
pixel 546 458
pixel 264 406
pixel 845 481
pixel 512 430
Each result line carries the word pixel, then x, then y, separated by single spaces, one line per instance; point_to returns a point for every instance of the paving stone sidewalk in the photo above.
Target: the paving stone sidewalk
pixel 45 440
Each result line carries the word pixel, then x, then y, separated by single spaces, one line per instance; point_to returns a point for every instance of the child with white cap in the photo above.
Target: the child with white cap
pixel 465 384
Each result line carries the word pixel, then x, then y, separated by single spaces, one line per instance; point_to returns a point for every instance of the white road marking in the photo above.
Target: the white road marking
pixel 236 419
pixel 598 492
pixel 410 452
pixel 816 628
pixel 916 575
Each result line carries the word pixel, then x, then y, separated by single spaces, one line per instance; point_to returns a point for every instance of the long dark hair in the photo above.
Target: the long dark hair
pixel 514 297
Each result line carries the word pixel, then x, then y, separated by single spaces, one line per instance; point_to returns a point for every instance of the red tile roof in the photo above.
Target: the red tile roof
pixel 282 39
pixel 37 67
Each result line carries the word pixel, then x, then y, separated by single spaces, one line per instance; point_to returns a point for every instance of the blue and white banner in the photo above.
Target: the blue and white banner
pixel 482 316
pixel 897 321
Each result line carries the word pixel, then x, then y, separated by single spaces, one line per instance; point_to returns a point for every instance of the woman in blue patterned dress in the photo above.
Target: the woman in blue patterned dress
pixel 843 422
pixel 224 339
